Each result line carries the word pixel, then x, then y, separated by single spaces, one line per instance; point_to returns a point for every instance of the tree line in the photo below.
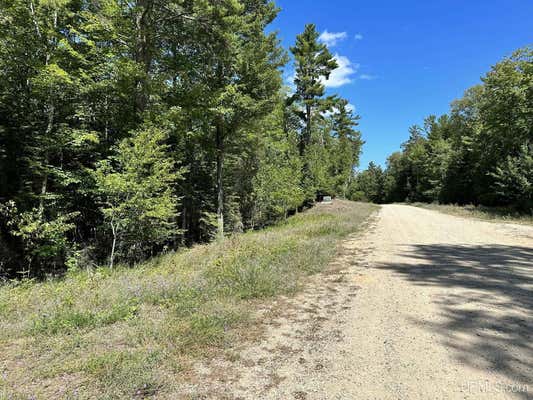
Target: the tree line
pixel 128 128
pixel 480 153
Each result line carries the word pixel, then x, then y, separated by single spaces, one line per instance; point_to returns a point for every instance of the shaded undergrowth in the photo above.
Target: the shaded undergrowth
pixel 133 332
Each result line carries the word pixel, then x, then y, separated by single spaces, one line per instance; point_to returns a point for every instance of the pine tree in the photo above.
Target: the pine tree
pixel 314 64
pixel 245 77
pixel 276 186
pixel 84 84
pixel 348 147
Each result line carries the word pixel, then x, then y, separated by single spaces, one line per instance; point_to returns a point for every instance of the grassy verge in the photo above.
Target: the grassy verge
pixel 495 214
pixel 133 333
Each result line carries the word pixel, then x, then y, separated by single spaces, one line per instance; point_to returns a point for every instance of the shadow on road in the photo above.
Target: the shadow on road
pixel 488 321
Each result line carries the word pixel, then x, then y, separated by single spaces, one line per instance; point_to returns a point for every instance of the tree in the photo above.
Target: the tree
pixel 44 242
pixel 416 155
pixel 243 76
pixel 345 155
pixel 396 178
pixel 314 64
pixel 514 180
pixel 84 85
pixel 137 194
pixel 276 185
pixel 505 110
pixel 369 185
pixel 43 60
pixel 438 157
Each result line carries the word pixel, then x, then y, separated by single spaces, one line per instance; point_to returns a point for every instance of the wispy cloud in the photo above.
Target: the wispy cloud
pixel 358 36
pixel 289 75
pixel 335 110
pixel 343 74
pixel 367 77
pixel 332 38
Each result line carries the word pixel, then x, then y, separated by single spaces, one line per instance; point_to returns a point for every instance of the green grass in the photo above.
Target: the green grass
pixel 495 214
pixel 133 332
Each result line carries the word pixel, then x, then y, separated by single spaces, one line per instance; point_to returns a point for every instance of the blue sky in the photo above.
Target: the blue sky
pixel 404 60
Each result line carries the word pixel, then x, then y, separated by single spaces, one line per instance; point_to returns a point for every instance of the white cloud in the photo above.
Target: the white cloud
pixel 350 107
pixel 367 77
pixel 340 76
pixel 358 36
pixel 329 113
pixel 335 110
pixel 332 38
pixel 289 75
pixel 343 74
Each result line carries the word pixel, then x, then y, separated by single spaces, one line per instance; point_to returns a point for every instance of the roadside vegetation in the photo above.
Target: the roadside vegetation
pixel 134 332
pixel 132 135
pixel 481 152
pixel 496 214
pixel 131 128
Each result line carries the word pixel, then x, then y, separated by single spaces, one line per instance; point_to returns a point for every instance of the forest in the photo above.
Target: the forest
pixel 480 153
pixel 166 230
pixel 132 128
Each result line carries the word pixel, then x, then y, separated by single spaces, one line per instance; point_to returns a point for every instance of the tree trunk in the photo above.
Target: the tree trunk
pixel 184 225
pixel 306 137
pixel 143 50
pixel 220 184
pixel 305 142
pixel 112 257
pixel 44 184
pixel 34 19
pixel 308 125
pixel 50 120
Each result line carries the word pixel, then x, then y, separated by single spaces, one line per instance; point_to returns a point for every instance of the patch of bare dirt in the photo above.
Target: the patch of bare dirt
pixel 422 306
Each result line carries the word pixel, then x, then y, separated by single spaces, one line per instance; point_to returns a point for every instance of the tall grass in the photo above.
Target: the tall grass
pixel 132 332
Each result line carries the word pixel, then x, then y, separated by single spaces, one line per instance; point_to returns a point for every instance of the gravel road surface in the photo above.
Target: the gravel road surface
pixel 422 305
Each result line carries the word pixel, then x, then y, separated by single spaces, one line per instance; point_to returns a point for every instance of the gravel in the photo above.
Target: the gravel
pixel 422 305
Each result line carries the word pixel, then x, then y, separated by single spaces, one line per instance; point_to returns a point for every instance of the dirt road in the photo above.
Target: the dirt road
pixel 422 306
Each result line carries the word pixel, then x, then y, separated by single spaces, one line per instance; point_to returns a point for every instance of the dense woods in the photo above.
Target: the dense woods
pixel 128 128
pixel 480 153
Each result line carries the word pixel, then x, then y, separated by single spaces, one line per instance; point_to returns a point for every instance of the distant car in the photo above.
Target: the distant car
pixel 327 200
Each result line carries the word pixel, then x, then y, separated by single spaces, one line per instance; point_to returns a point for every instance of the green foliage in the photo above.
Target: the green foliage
pixel 369 185
pixel 313 61
pixel 513 179
pixel 276 185
pixel 478 154
pixel 126 374
pixel 129 128
pixel 44 241
pixel 138 193
pixel 131 332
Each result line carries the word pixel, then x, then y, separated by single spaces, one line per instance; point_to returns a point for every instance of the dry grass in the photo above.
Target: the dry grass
pixel 133 333
pixel 495 214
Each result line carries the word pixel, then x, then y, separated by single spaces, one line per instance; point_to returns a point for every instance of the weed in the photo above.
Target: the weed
pixel 131 332
pixel 495 214
pixel 125 373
